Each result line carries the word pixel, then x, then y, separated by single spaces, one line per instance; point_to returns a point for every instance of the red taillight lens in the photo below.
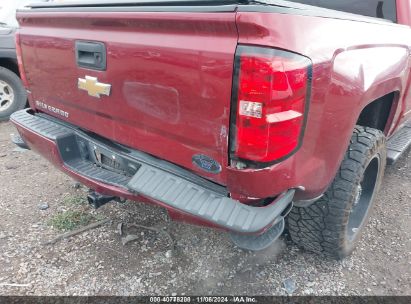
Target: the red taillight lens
pixel 271 103
pixel 20 60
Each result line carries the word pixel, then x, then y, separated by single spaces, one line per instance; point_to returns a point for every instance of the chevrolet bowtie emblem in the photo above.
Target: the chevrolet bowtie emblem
pixel 93 87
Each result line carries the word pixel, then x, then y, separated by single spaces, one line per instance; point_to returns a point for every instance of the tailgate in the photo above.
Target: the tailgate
pixel 165 88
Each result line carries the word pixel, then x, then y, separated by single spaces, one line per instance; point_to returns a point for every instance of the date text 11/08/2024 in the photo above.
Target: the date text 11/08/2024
pixel 200 299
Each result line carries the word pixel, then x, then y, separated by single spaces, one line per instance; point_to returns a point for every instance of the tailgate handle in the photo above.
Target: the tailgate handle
pixel 91 55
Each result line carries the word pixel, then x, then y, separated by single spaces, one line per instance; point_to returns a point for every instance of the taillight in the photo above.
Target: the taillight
pixel 20 61
pixel 270 103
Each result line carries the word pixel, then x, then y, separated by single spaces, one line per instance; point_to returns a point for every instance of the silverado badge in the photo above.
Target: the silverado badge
pixel 93 87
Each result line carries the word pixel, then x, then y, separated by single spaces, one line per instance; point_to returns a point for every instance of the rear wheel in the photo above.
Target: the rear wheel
pixel 12 93
pixel 333 224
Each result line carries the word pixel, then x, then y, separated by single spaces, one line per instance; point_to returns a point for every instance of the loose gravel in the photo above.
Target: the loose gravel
pixel 202 261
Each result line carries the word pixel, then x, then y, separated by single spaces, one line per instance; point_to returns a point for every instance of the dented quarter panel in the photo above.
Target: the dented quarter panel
pixel 354 63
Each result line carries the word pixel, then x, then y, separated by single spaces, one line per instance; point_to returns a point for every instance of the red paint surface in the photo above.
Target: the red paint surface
pixel 354 63
pixel 171 77
pixel 170 73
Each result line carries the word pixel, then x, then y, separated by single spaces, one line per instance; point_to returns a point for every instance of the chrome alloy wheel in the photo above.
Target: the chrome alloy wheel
pixel 6 95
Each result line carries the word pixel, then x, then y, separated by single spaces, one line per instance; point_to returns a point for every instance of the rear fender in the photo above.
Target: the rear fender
pixel 360 76
pixel 354 63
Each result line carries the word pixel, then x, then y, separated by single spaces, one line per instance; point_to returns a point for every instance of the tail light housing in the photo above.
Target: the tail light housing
pixel 19 53
pixel 270 103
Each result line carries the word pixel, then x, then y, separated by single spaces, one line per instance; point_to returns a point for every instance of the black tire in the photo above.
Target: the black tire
pixel 333 224
pixel 20 97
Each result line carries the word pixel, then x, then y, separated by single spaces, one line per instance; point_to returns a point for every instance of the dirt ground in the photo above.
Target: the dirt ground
pixel 202 261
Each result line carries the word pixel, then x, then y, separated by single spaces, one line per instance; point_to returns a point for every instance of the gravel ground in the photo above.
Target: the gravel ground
pixel 203 261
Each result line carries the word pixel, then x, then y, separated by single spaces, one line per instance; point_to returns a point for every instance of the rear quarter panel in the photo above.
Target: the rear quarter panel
pixel 354 63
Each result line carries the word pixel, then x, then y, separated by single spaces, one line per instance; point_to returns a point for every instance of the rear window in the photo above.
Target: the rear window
pixel 385 9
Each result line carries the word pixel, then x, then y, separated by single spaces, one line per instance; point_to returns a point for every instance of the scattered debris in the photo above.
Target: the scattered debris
pixel 43 206
pixel 2 235
pixel 310 284
pixel 11 167
pixel 18 149
pixel 289 285
pixel 120 229
pixel 169 254
pixel 77 185
pixel 129 238
pixel 3 155
pixel 14 285
pixel 160 231
pixel 133 237
pixel 75 232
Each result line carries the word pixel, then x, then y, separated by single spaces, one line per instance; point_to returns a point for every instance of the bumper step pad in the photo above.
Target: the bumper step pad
pixel 39 125
pixel 158 180
pixel 198 201
pixel 398 144
pixel 60 133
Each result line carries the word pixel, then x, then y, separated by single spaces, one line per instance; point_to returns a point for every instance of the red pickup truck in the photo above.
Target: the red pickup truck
pixel 246 116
